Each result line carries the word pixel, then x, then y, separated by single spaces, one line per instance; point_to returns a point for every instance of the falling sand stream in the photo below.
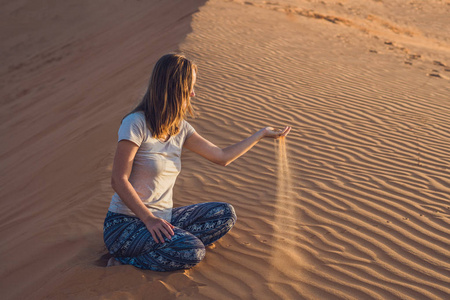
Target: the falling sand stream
pixel 284 180
pixel 286 258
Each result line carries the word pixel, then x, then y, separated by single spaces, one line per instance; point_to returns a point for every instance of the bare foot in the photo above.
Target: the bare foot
pixel 113 262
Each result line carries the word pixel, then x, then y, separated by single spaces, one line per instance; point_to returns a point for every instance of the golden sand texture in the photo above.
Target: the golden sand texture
pixel 365 210
pixel 370 208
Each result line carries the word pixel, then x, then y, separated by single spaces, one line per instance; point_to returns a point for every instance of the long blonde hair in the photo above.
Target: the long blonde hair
pixel 167 100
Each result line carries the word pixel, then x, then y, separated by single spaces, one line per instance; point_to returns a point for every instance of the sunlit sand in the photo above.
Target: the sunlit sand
pixel 353 204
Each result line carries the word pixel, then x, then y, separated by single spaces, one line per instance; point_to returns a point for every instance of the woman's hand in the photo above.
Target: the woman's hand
pixel 159 227
pixel 270 132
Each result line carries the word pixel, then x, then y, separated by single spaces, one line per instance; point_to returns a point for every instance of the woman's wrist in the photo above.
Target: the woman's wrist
pixel 149 218
pixel 261 134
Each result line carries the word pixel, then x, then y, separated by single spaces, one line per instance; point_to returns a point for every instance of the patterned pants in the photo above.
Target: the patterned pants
pixel 196 226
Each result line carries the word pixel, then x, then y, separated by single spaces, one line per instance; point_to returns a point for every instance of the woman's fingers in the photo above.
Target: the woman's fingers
pixel 277 133
pixel 153 235
pixel 167 231
pixel 158 233
pixel 160 229
pixel 286 131
pixel 170 229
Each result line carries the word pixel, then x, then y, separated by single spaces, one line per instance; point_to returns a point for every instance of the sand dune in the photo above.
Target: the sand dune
pixel 364 211
pixel 68 71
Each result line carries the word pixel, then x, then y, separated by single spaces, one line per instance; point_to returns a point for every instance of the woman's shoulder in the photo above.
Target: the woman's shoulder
pixel 133 128
pixel 185 124
pixel 187 128
pixel 134 117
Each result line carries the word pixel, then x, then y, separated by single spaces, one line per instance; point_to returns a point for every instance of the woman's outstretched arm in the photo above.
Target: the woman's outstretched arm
pixel 198 144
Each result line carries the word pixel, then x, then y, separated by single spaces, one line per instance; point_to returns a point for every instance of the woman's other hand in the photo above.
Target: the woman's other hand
pixel 270 132
pixel 159 227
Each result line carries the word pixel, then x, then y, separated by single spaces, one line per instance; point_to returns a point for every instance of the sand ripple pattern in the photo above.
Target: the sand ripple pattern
pixel 369 212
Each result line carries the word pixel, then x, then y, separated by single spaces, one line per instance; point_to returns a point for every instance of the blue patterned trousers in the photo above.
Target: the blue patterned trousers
pixel 196 226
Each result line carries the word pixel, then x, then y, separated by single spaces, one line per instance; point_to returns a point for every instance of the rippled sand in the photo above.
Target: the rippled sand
pixel 365 210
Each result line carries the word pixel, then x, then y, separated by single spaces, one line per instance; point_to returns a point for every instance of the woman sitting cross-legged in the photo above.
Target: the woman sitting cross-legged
pixel 141 227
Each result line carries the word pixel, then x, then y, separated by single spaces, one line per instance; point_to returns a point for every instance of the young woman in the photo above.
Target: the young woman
pixel 141 227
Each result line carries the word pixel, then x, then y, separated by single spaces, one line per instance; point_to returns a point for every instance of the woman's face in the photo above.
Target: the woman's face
pixel 192 92
pixel 194 79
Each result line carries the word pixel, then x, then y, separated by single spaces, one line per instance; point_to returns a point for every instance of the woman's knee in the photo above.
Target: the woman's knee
pixel 194 255
pixel 228 212
pixel 183 239
pixel 233 215
pixel 223 210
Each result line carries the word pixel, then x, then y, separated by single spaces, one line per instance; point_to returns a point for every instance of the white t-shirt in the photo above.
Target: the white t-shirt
pixel 155 166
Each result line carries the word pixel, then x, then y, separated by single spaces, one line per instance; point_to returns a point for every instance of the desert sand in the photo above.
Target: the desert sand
pixel 354 205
